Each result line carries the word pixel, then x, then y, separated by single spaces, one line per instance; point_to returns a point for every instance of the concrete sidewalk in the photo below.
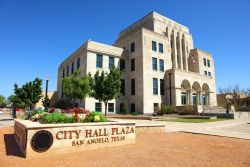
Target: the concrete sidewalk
pixel 238 128
pixel 6 120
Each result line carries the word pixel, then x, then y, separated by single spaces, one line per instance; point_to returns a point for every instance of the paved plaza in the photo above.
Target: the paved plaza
pixel 161 149
pixel 237 128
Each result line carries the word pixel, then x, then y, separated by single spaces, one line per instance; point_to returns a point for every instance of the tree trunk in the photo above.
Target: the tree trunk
pixel 106 103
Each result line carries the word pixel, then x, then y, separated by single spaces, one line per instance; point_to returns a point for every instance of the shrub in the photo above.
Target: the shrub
pixel 95 117
pixel 57 117
pixel 158 111
pixel 166 109
pixel 30 114
pixel 124 109
pixel 134 113
pixel 244 108
pixel 64 104
pixel 187 110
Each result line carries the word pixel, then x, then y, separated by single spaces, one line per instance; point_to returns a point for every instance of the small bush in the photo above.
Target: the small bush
pixel 30 114
pixel 158 111
pixel 187 110
pixel 57 117
pixel 166 109
pixel 244 108
pixel 95 117
pixel 124 109
pixel 64 104
pixel 134 113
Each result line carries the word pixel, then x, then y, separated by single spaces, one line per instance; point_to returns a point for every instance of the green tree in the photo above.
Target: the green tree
pixel 15 102
pixel 48 102
pixel 106 86
pixel 75 86
pixel 29 94
pixel 2 101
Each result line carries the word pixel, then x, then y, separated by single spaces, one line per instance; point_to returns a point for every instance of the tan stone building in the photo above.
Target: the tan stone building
pixel 159 64
pixel 51 95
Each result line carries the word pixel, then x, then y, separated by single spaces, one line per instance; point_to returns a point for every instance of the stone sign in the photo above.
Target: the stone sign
pixel 49 138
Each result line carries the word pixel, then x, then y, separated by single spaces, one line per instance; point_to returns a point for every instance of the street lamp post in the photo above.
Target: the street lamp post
pixel 46 94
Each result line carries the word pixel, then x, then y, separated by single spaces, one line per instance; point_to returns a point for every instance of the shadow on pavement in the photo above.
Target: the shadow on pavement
pixel 11 146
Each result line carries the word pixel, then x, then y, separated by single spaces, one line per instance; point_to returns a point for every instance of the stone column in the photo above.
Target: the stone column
pixel 191 97
pixel 201 100
pixel 173 50
pixel 184 53
pixel 179 52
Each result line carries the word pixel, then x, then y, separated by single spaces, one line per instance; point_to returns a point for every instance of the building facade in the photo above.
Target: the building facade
pixel 159 64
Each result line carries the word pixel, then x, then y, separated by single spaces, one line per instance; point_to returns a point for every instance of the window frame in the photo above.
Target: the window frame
pixel 132 107
pixel 98 107
pixel 78 63
pixel 132 87
pixel 133 64
pixel 161 49
pixel 155 86
pixel 72 67
pixel 162 87
pixel 113 107
pixel 161 65
pixel 63 73
pixel 132 47
pixel 205 61
pixel 183 98
pixel 154 46
pixel 122 64
pixel 208 63
pixel 99 61
pixel 123 87
pixel 113 59
pixel 154 64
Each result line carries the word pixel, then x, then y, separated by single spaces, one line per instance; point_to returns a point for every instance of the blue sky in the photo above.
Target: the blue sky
pixel 35 36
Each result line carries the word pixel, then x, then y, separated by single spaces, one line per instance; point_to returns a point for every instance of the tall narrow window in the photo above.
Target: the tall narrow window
pixel 156 107
pixel 110 107
pixel 122 87
pixel 154 63
pixel 67 70
pixel 209 74
pixel 78 63
pixel 194 99
pixel 132 64
pixel 98 107
pixel 63 73
pixel 111 62
pixel 161 65
pixel 98 61
pixel 132 107
pixel 208 63
pixel 160 47
pixel 204 62
pixel 121 107
pixel 122 64
pixel 204 99
pixel 155 86
pixel 183 98
pixel 162 86
pixel 205 72
pixel 72 67
pixel 132 86
pixel 132 47
pixel 154 47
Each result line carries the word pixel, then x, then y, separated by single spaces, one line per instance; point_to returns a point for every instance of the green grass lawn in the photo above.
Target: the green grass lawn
pixel 188 120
